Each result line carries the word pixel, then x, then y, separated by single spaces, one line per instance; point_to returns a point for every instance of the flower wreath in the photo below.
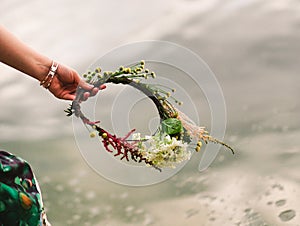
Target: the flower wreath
pixel 169 144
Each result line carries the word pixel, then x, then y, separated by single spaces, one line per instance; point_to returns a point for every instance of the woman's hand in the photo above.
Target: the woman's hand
pixel 65 83
pixel 20 56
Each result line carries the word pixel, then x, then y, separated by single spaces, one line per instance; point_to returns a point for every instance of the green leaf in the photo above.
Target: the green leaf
pixel 69 110
pixel 171 126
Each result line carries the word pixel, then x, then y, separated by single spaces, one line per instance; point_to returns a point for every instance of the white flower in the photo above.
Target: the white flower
pixel 164 151
pixel 136 136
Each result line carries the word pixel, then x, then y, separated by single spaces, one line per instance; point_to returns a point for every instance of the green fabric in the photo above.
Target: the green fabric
pixel 20 197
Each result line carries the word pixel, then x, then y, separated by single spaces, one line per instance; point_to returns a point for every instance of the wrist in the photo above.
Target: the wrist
pixel 46 82
pixel 41 68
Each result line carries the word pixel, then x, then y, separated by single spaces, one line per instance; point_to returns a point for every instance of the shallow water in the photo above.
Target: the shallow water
pixel 253 49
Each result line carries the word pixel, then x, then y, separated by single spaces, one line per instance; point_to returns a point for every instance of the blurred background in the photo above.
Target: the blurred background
pixel 252 47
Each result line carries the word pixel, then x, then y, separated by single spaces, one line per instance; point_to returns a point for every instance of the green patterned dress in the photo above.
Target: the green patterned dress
pixel 20 197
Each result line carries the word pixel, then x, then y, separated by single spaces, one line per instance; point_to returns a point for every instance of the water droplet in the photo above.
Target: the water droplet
pixel 287 215
pixel 280 202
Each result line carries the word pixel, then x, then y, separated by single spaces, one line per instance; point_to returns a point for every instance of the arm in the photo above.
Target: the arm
pixel 20 56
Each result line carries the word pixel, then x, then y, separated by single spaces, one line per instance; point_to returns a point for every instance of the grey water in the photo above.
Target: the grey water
pixel 253 49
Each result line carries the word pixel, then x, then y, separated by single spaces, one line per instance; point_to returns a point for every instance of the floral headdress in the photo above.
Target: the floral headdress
pixel 169 144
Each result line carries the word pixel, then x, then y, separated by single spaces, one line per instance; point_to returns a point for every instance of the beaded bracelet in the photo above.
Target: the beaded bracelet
pixel 46 82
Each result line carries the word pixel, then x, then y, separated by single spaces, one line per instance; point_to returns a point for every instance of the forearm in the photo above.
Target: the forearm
pixel 18 55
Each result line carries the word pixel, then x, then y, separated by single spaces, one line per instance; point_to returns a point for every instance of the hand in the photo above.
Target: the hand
pixel 20 56
pixel 65 83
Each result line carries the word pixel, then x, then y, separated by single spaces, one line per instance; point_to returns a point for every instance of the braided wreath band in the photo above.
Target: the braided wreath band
pixel 169 144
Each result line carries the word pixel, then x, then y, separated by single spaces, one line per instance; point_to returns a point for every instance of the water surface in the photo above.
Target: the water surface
pixel 252 47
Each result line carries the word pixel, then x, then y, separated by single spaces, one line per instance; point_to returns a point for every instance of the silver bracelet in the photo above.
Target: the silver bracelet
pixel 46 82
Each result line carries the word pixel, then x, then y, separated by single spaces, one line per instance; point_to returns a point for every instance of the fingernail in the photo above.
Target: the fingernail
pixel 102 86
pixel 86 95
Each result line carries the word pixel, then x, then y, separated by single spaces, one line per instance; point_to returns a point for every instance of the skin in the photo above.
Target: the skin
pixel 20 56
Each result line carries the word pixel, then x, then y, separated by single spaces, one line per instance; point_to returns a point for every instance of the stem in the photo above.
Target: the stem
pixel 140 86
pixel 214 140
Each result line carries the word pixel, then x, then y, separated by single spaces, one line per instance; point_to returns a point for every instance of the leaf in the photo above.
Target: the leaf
pixel 171 126
pixel 69 111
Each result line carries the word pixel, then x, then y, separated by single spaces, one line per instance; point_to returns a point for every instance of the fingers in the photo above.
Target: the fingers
pixel 68 96
pixel 66 82
pixel 92 92
pixel 103 86
pixel 85 96
pixel 89 87
pixel 88 94
pixel 85 85
pixel 95 90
